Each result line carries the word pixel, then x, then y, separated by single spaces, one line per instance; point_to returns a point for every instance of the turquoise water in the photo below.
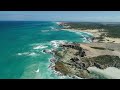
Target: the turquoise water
pixel 21 45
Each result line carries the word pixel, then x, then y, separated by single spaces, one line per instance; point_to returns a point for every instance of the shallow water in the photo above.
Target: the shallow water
pixel 21 45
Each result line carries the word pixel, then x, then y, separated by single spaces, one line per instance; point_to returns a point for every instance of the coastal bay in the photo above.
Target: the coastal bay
pixel 101 32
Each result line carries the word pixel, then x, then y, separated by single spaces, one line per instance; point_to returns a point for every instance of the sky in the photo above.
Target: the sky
pixel 87 16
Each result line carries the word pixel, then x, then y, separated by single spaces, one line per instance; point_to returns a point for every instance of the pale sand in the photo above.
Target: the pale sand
pixel 113 40
pixel 96 33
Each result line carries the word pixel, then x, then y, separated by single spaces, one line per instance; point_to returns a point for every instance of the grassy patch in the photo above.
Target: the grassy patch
pixel 112 30
pixel 101 48
pixel 105 61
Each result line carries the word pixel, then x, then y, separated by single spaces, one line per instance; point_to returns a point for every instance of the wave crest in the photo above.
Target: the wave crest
pixel 40 47
pixel 56 43
pixel 27 54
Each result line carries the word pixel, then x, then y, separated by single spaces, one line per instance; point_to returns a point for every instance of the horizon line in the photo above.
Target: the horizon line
pixel 57 21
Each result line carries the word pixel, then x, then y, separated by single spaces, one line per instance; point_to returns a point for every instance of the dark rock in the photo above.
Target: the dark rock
pixel 97 65
pixel 59 66
pixel 83 54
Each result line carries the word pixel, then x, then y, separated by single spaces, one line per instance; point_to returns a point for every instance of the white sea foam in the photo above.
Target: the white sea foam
pixel 52 27
pixel 45 30
pixel 40 47
pixel 78 32
pixel 32 54
pixel 109 73
pixel 38 44
pixel 37 70
pixel 81 34
pixel 27 54
pixel 89 33
pixel 58 23
pixel 19 54
pixel 56 43
pixel 61 76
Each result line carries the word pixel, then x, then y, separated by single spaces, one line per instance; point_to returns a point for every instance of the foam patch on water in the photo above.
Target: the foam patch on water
pixel 37 70
pixel 79 32
pixel 84 35
pixel 45 30
pixel 32 54
pixel 108 73
pixel 43 44
pixel 27 54
pixel 56 43
pixel 89 33
pixel 30 71
pixel 40 47
pixel 60 75
pixel 52 27
pixel 58 23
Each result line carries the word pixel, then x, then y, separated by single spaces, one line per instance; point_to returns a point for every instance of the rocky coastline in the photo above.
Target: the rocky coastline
pixel 74 59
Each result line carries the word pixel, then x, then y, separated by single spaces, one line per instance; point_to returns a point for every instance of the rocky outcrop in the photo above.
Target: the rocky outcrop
pixel 70 63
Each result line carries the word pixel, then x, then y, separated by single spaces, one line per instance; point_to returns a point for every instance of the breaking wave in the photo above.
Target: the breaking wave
pixel 27 54
pixel 40 47
pixel 84 35
pixel 58 23
pixel 56 43
pixel 45 30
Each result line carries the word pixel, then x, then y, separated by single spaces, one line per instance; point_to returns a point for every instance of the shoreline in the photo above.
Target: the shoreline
pixel 97 35
pixel 99 54
pixel 71 63
pixel 92 34
pixel 87 40
pixel 100 35
pixel 75 30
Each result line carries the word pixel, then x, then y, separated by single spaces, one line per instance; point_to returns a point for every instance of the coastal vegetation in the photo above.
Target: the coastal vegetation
pixel 101 53
pixel 112 30
pixel 105 61
pixel 101 48
pixel 99 56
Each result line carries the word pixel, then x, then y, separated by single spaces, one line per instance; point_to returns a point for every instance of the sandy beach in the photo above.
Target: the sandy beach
pixel 112 40
pixel 96 33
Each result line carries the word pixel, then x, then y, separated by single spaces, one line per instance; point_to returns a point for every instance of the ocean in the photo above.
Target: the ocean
pixel 21 46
